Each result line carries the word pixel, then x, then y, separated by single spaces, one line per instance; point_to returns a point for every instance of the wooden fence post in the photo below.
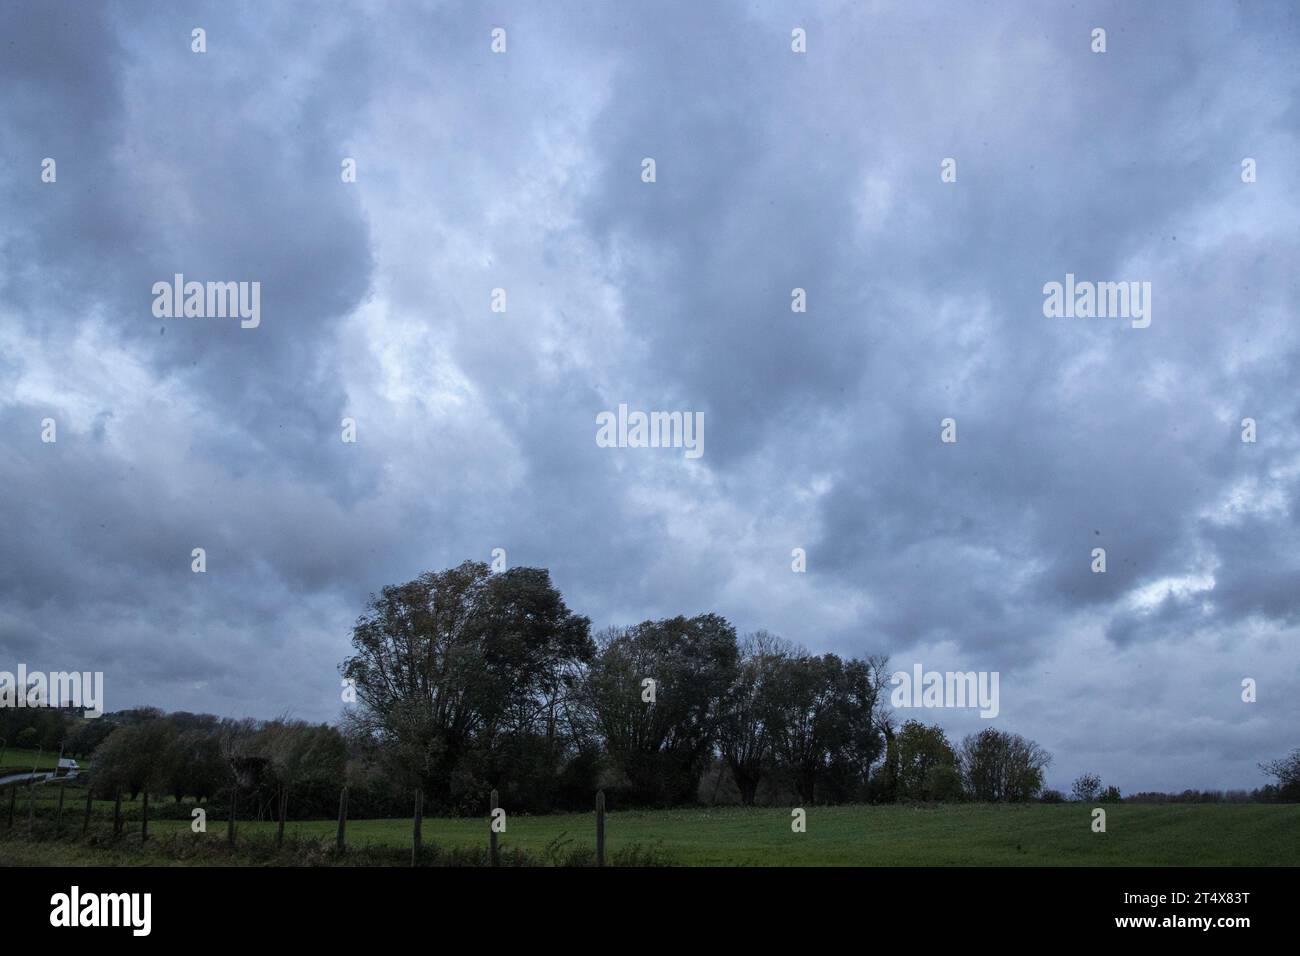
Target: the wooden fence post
pixel 85 823
pixel 494 851
pixel 31 806
pixel 117 813
pixel 230 826
pixel 13 798
pixel 600 827
pixel 144 818
pixel 417 837
pixel 284 808
pixel 58 814
pixel 343 817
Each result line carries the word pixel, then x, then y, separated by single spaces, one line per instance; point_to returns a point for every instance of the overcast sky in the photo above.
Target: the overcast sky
pixel 476 429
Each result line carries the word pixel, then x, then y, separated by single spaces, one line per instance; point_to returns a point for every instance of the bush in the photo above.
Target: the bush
pixel 1086 787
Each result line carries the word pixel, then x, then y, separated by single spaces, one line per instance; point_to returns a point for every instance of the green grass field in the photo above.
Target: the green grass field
pixel 14 760
pixel 954 835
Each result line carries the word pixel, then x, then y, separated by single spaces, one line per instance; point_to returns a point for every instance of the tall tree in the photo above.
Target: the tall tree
pixel 998 766
pixel 830 724
pixel 927 763
pixel 135 757
pixel 751 717
pixel 659 736
pixel 446 664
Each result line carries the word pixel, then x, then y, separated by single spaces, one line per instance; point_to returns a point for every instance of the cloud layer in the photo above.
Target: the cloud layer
pixel 775 170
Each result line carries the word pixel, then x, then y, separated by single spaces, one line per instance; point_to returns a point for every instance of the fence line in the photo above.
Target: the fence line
pixel 282 800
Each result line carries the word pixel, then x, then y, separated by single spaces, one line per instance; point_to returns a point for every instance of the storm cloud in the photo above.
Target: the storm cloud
pixel 775 170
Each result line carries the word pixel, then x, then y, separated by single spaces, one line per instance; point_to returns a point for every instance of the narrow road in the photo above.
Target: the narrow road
pixel 37 777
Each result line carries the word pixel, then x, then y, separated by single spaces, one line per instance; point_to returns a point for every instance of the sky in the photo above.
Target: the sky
pixel 523 170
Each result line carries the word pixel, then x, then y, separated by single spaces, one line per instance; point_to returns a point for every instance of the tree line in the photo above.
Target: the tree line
pixel 464 681
pixel 203 758
pixel 467 681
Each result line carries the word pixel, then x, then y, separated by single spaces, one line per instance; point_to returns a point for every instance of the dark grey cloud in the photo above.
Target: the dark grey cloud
pixel 775 171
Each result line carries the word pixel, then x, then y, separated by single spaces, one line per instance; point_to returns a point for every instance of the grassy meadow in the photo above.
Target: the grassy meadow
pixel 940 835
pixel 14 760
